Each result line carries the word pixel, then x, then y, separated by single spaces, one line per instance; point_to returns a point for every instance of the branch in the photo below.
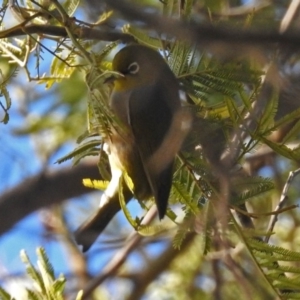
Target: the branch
pixel 43 190
pixel 79 32
pixel 290 15
pixel 157 266
pixel 120 257
pixel 203 34
pixel 281 203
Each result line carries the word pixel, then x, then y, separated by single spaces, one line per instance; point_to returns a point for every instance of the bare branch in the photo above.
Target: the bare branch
pixel 157 266
pixel 289 15
pixel 205 34
pixel 113 266
pixel 281 203
pixel 43 190
pixel 82 33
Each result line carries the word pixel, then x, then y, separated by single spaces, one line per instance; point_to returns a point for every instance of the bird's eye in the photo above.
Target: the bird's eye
pixel 133 68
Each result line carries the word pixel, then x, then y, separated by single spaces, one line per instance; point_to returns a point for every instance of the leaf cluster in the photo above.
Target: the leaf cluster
pixel 45 285
pixel 235 107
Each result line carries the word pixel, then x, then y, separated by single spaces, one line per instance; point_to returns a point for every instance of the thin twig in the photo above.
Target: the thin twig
pixel 156 266
pixel 289 15
pixel 257 215
pixel 245 9
pixel 119 258
pixel 43 189
pixel 282 201
pixel 67 24
pixel 204 32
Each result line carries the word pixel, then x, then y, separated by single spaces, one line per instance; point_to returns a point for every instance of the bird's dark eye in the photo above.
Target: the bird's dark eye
pixel 133 68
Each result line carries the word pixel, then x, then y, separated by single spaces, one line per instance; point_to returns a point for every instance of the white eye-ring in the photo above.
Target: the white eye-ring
pixel 133 68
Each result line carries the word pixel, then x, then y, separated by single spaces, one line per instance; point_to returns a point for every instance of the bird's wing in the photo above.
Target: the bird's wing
pixel 89 231
pixel 150 119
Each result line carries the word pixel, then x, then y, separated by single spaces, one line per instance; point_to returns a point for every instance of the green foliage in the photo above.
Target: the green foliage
pixel 46 286
pixel 222 92
pixel 251 188
pixel 152 230
pixel 141 37
pixel 87 148
pixel 133 223
pixel 5 94
pixel 275 263
pixel 4 295
pixel 95 184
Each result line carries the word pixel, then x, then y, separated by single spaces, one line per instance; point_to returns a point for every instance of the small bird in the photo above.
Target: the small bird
pixel 145 100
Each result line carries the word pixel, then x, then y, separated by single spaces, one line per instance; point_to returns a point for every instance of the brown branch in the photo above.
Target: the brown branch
pixel 281 203
pixel 157 266
pixel 80 32
pixel 203 34
pixel 119 258
pixel 43 190
pixel 54 223
pixel 290 15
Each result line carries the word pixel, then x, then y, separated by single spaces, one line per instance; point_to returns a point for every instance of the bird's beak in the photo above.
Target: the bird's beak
pixel 112 77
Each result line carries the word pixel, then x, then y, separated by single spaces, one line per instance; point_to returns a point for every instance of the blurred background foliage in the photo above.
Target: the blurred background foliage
pixel 243 146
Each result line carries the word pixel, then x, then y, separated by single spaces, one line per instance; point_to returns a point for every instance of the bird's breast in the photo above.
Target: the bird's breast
pixel 125 156
pixel 123 149
pixel 119 104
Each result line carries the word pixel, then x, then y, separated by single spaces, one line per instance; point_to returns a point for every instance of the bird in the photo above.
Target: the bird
pixel 146 102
